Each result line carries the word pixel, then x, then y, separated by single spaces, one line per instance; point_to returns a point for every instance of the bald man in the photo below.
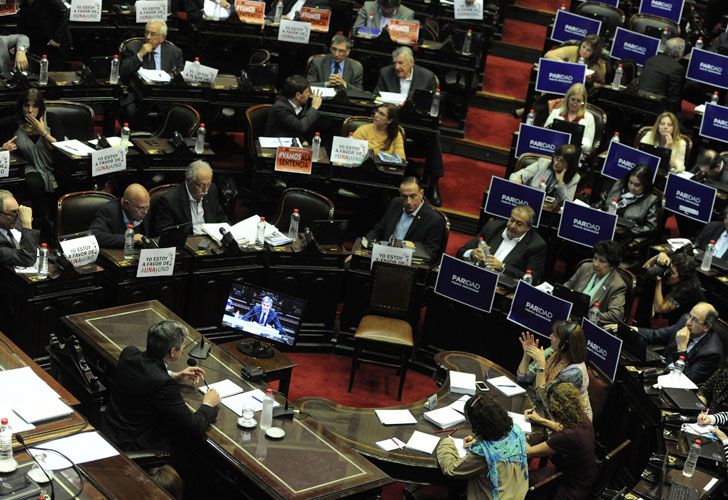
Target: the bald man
pixel 112 218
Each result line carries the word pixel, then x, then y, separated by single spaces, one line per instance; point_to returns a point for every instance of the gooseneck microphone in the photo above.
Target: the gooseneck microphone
pixel 201 350
pixel 228 240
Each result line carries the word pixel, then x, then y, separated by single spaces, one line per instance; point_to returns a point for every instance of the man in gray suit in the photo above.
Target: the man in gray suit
pixel 18 43
pixel 382 11
pixel 14 252
pixel 336 69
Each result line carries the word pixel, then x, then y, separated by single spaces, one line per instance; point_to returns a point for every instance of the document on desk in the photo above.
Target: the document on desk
pixel 275 142
pixel 16 423
pixel 461 382
pixel 212 229
pixel 395 417
pixel 423 442
pixel 39 410
pixel 74 147
pixel 391 444
pixel 21 383
pixel 459 405
pixel 153 75
pixel 253 398
pixel 520 421
pixel 79 448
pixel 224 388
pixel 506 386
pixel 392 97
pixel 444 417
pixel 677 382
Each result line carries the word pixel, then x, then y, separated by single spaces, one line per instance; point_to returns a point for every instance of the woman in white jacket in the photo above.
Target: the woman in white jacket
pixel 573 110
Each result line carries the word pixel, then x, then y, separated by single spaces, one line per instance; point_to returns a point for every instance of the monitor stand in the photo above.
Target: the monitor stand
pixel 255 349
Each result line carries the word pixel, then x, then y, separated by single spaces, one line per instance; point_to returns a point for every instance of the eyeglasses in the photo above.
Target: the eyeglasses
pixel 201 186
pixel 518 223
pixel 14 214
pixel 138 207
pixel 695 320
pixel 151 33
pixel 576 100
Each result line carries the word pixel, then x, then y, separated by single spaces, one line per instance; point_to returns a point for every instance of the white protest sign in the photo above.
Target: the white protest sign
pixel 391 255
pixel 348 151
pixel 294 31
pixel 198 73
pixel 147 10
pixel 105 161
pixel 156 262
pixel 465 11
pixel 86 11
pixel 4 163
pixel 81 251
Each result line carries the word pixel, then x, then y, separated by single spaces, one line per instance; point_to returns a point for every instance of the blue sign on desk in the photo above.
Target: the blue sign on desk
pixel 570 26
pixel 669 9
pixel 555 77
pixel 689 198
pixel 633 46
pixel 715 122
pixel 504 196
pixel 465 283
pixel 622 158
pixel 603 348
pixel 536 310
pixel 543 141
pixel 708 67
pixel 585 225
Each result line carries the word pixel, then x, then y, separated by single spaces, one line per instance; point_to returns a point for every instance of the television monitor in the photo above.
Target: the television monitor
pixel 263 315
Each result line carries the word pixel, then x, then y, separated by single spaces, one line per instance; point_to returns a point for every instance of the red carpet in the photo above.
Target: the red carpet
pixel 546 5
pixel 455 241
pixel 506 77
pixel 466 179
pixel 490 127
pixel 525 34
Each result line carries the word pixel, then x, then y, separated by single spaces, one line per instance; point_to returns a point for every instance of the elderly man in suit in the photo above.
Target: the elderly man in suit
pixel 195 201
pixel 382 11
pixel 336 70
pixel 113 218
pixel 664 75
pixel 14 252
pixel 513 246
pixel 291 115
pixel 19 45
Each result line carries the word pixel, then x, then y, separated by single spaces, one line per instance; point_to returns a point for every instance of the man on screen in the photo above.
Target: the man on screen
pixel 264 314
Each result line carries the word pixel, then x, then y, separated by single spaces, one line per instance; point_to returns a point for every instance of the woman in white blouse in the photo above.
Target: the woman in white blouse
pixel 573 110
pixel 665 133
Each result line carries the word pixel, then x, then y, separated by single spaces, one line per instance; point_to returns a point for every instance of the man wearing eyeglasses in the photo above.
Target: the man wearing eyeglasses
pixel 513 247
pixel 112 219
pixel 18 242
pixel 195 201
pixel 336 70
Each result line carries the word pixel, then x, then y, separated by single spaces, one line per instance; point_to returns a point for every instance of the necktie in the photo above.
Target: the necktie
pixel 337 67
pixel 262 319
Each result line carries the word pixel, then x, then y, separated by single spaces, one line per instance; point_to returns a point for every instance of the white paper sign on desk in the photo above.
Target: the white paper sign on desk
pixel 465 11
pixel 395 417
pixel 4 163
pixel 81 251
pixel 391 255
pixel 198 73
pixel 79 448
pixel 86 11
pixel 108 160
pixel 348 151
pixel 392 97
pixel 294 31
pixel 147 10
pixel 156 262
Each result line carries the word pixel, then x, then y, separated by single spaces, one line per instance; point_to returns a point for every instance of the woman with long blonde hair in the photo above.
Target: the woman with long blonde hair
pixel 665 133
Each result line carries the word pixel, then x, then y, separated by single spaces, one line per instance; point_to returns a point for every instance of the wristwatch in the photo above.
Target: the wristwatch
pixel 538 369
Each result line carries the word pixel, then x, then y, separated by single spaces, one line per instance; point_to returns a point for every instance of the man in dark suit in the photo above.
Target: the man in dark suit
pixel 710 165
pixel 694 337
pixel 411 218
pixel 146 409
pixel 336 69
pixel 513 246
pixel 9 44
pixel 111 219
pixel 715 231
pixel 382 11
pixel 46 24
pixel 195 8
pixel 13 252
pixel 664 75
pixel 264 314
pixel 291 116
pixel 195 201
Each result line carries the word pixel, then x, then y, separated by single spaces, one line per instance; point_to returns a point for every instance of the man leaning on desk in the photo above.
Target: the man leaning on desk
pixel 13 252
pixel 336 69
pixel 112 219
pixel 381 11
pixel 710 165
pixel 291 115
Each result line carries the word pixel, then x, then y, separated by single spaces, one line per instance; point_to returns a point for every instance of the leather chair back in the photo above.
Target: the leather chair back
pixel 312 59
pixel 611 17
pixel 631 281
pixel 640 134
pixel 600 125
pixel 647 23
pixel 122 45
pixel 352 123
pixel 181 118
pixel 255 118
pixel 259 56
pixel 598 390
pixel 154 195
pixel 310 204
pixel 77 118
pixel 527 159
pixel 445 237
pixel 392 290
pixel 76 211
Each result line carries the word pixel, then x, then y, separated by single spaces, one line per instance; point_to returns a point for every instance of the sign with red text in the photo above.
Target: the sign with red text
pixel 108 160
pixel 81 251
pixel 156 262
pixel 86 11
pixel 319 18
pixel 404 32
pixel 8 7
pixel 293 160
pixel 294 31
pixel 250 12
pixel 348 151
pixel 148 10
pixel 4 163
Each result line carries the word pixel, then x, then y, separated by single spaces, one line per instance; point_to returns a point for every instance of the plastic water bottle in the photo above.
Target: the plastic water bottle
pixel 260 232
pixel 714 99
pixel 195 72
pixel 7 462
pixel 125 136
pixel 615 137
pixel 678 367
pixel 613 206
pixel 594 313
pixel 293 227
pixel 581 60
pixel 482 245
pixel 528 277
pixel 266 416
pixel 370 20
pixel 542 185
pixel 531 117
pixel 43 262
pixel 468 42
pixel 43 72
pixel 279 12
pixel 617 82
pixel 665 36
pixel 699 43
pixel 114 75
pixel 708 256
pixel 316 147
pixel 129 242
pixel 435 108
pixel 200 141
pixel 692 460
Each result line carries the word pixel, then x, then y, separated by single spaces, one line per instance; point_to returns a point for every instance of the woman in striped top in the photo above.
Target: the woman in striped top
pixel 715 420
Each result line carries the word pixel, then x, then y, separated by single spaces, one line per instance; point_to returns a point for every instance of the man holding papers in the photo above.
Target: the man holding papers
pixel 14 252
pixel 291 116
pixel 111 219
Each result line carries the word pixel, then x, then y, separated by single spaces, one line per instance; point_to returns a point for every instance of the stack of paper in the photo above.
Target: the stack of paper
pixel 243 232
pixel 79 448
pixel 391 444
pixel 395 417
pixel 506 386
pixel 520 421
pixel 444 417
pixel 232 396
pixel 392 97
pixel 462 383
pixel 275 142
pixel 677 382
pixel 153 75
pixel 74 147
pixel 423 442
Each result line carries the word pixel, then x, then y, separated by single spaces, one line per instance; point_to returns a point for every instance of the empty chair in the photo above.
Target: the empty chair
pixel 310 204
pixel 76 211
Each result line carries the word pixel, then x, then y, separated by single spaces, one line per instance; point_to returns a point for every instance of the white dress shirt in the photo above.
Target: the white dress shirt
pixel 197 211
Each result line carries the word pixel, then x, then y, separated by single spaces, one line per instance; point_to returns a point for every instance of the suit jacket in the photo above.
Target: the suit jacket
pixel 529 253
pixel 711 231
pixel 645 211
pixel 146 409
pixel 8 42
pixel 702 360
pixel 44 20
pixel 403 14
pixel 108 225
pixel 611 295
pixel 25 256
pixel 428 227
pixel 272 319
pixel 174 208
pixel 388 81
pixel 172 59
pixel 320 70
pixel 283 122
pixel 663 75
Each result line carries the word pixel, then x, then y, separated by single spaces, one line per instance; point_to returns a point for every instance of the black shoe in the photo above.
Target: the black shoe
pixel 433 193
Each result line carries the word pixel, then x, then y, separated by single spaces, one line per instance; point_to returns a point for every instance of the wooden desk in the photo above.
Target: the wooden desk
pixel 309 462
pixel 699 480
pixel 279 367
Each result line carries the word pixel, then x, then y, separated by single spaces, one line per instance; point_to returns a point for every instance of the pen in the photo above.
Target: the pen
pixel 505 385
pixel 258 400
pixel 450 430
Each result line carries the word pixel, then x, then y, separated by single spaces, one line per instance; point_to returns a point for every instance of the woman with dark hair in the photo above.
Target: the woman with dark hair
pixel 383 134
pixel 570 446
pixel 557 176
pixel 589 50
pixel 665 133
pixel 636 202
pixel 495 463
pixel 599 280
pixel 563 361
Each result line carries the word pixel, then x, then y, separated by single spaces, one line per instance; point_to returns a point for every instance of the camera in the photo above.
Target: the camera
pixel 658 270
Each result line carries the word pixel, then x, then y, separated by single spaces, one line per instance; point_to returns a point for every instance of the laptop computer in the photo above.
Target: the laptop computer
pixel 330 232
pixel 625 222
pixel 633 345
pixel 684 399
pixel 663 153
pixel 709 448
pixel 580 301
pixel 422 99
pixel 174 236
pixel 575 129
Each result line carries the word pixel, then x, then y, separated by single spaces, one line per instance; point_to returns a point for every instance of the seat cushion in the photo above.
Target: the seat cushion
pixel 383 329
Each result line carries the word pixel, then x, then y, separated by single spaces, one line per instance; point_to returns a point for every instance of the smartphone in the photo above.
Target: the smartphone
pixel 481 386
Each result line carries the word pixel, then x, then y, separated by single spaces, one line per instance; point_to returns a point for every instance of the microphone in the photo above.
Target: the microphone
pixel 201 350
pixel 284 412
pixel 228 240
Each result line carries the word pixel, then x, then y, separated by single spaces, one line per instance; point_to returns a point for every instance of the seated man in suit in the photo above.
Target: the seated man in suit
pixel 13 252
pixel 291 116
pixel 664 75
pixel 196 8
pixel 112 218
pixel 264 314
pixel 9 44
pixel 381 11
pixel 404 77
pixel 336 70
pixel 710 165
pixel 195 201
pixel 513 246
pixel 411 218
pixel 715 231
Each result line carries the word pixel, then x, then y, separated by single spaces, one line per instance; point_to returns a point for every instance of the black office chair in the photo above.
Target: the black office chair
pixel 352 123
pixel 181 118
pixel 76 211
pixel 608 466
pixel 311 60
pixel 647 24
pixel 77 118
pixel 310 204
pixel 611 17
pixel 600 126
pixel 123 45
pixel 631 281
pixel 154 196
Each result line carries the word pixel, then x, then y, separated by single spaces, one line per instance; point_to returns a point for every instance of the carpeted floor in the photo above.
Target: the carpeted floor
pixel 463 185
pixel 522 33
pixel 490 127
pixel 506 77
pixel 544 5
